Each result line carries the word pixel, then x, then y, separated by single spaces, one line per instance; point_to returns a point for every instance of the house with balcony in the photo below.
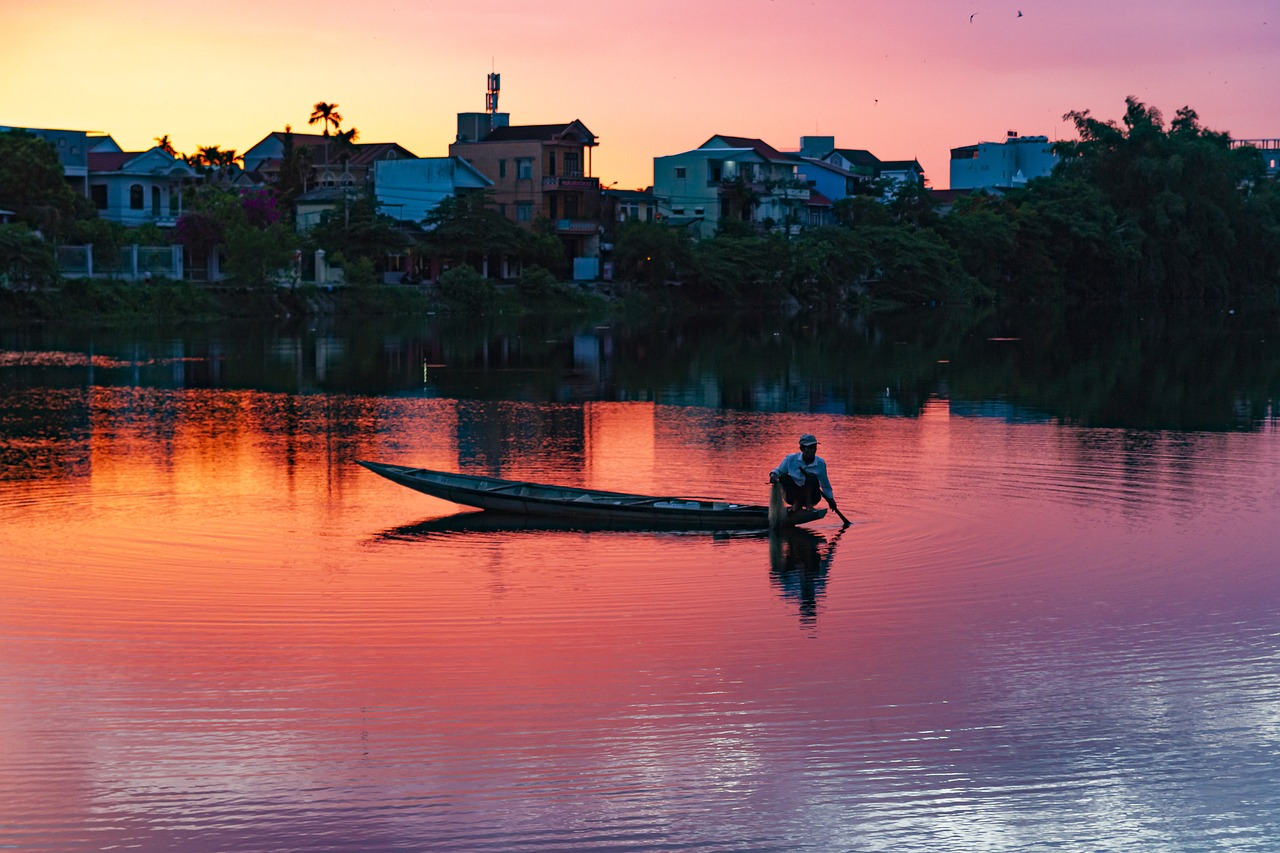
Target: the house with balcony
pixel 138 187
pixel 539 171
pixel 1002 165
pixel 731 179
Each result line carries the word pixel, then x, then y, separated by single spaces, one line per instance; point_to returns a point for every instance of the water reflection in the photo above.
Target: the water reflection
pixel 1203 369
pixel 799 560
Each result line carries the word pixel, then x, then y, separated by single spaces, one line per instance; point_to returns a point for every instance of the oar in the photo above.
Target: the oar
pixel 846 521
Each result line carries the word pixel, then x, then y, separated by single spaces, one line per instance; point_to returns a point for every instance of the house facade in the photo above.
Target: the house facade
pixel 538 171
pixel 408 190
pixel 138 187
pixel 730 178
pixel 1002 165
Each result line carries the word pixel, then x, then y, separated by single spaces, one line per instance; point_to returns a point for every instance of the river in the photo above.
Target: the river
pixel 1053 624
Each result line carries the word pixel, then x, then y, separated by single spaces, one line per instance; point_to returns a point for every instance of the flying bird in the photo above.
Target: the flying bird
pixel 971 17
pixel 1019 13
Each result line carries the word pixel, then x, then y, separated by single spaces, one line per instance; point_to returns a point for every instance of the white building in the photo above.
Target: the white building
pixel 1002 165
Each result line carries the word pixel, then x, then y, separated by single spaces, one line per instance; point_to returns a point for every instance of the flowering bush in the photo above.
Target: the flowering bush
pixel 260 208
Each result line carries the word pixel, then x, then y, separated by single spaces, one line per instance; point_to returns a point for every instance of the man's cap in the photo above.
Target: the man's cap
pixel 808 440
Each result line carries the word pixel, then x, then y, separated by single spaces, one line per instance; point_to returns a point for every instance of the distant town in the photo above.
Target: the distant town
pixel 537 177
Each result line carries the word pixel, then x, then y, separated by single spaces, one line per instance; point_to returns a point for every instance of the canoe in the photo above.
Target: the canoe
pixel 585 505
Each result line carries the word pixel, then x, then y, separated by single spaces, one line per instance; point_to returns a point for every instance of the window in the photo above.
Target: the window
pixel 570 207
pixel 551 163
pixel 679 173
pixel 524 211
pixel 524 169
pixel 135 197
pixel 502 168
pixel 155 201
pixel 677 211
pixel 98 193
pixel 698 211
pixel 572 164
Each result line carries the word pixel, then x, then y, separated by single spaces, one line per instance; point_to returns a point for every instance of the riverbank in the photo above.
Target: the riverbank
pixel 111 301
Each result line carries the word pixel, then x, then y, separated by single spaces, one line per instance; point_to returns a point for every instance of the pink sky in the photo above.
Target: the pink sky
pixel 901 79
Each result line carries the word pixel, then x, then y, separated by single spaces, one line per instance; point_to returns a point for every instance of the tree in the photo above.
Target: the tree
pixel 212 161
pixel 33 187
pixel 1183 191
pixel 326 113
pixel 163 143
pixel 25 258
pixel 650 254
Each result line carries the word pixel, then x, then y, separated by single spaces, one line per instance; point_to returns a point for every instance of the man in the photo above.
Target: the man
pixel 803 477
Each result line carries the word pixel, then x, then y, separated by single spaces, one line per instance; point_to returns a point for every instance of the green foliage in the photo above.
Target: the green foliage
pixel 651 254
pixel 359 272
pixel 464 289
pixel 357 231
pixel 1182 194
pixel 33 187
pixel 917 266
pixel 256 244
pixel 826 264
pixel 25 259
pixel 736 270
pixel 106 237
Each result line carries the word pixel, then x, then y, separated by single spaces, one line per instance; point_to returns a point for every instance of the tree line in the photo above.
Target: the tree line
pixel 1135 209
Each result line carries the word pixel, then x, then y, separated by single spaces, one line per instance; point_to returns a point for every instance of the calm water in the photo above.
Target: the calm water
pixel 1054 624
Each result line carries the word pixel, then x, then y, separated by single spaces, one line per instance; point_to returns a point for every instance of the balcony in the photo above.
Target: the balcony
pixel 569 182
pixel 577 226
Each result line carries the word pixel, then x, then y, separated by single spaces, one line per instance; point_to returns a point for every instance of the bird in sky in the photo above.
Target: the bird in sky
pixel 1019 13
pixel 971 17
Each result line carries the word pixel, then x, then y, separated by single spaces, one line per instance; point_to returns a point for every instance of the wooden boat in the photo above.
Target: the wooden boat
pixel 585 505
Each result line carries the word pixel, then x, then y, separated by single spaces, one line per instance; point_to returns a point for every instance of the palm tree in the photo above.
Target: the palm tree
pixel 163 143
pixel 326 113
pixel 346 142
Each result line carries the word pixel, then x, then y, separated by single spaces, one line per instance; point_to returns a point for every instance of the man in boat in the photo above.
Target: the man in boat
pixel 803 477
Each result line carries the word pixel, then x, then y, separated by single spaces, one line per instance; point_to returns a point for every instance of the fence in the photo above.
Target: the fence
pixel 131 262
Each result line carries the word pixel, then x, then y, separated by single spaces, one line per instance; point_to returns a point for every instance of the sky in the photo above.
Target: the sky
pixel 901 79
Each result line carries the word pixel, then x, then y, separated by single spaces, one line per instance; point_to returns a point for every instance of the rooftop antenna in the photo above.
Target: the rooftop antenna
pixel 491 96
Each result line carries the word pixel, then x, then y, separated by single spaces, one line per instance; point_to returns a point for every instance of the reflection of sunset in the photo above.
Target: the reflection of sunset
pixel 217 620
pixel 620 447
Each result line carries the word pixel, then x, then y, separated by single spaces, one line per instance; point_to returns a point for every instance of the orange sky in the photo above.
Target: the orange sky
pixel 900 79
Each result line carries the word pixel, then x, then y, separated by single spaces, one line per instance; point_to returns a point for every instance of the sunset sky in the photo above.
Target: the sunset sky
pixel 901 79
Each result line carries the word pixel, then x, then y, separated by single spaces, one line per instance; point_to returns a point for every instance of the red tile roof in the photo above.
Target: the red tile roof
pixel 759 146
pixel 110 161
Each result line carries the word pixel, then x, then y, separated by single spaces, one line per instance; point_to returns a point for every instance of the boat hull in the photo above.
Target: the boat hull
pixel 587 505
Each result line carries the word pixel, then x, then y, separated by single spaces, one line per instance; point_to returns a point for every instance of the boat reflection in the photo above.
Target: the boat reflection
pixel 489 521
pixel 798 564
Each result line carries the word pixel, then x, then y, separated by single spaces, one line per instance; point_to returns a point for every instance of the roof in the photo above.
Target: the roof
pixel 901 166
pixel 759 146
pixel 574 131
pixel 830 167
pixel 817 199
pixel 110 161
pixel 859 157
pixel 363 154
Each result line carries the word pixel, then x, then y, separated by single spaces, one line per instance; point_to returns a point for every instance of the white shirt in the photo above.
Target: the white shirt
pixel 793 466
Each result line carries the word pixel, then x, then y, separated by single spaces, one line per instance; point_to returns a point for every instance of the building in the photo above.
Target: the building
pixel 731 179
pixel 1002 165
pixel 538 171
pixel 1269 149
pixel 408 190
pixel 138 187
pixel 332 163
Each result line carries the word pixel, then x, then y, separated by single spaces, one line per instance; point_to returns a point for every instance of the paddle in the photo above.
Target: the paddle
pixel 846 521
